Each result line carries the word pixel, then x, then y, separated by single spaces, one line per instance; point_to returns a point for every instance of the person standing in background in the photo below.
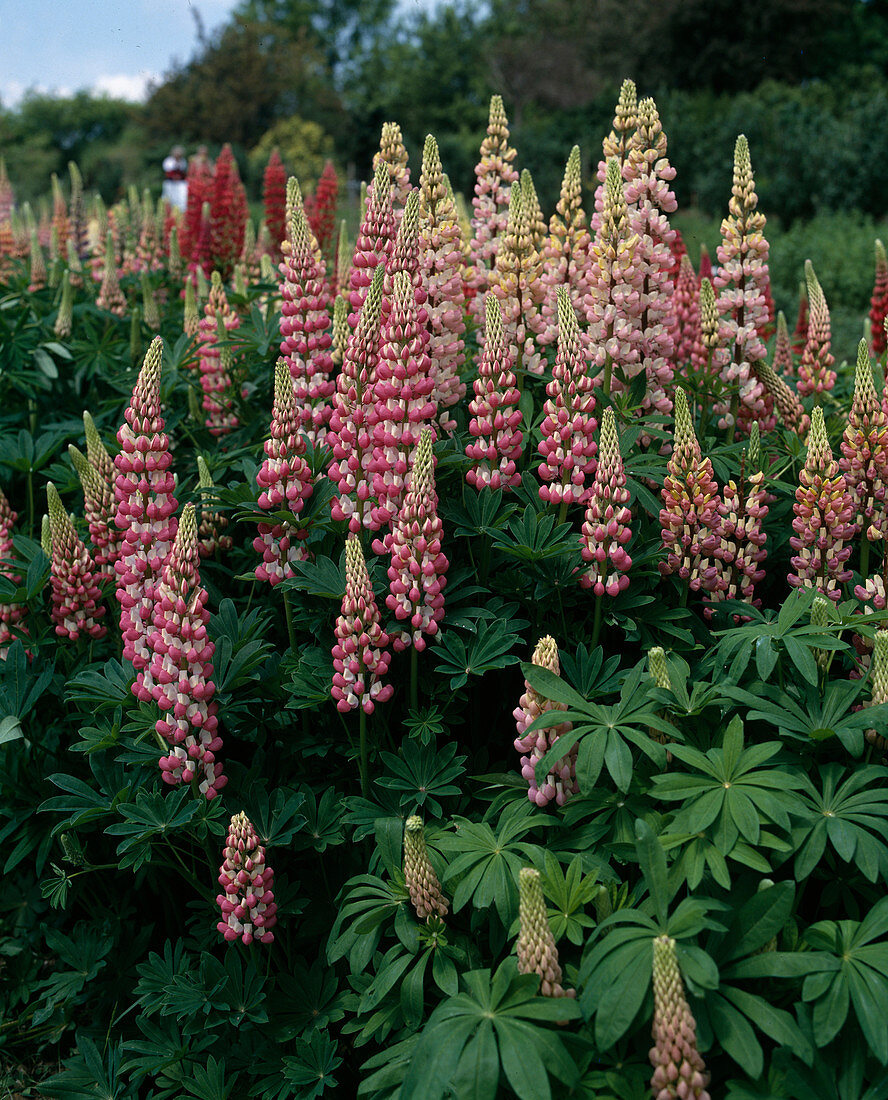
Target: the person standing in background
pixel 175 169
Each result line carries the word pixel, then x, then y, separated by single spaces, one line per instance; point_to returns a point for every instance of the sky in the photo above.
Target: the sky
pixel 112 46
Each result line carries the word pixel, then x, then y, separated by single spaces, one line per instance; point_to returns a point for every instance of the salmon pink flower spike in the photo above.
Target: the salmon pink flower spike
pixel 782 363
pixel 613 298
pixel 864 446
pixel 824 520
pixel 179 677
pixel 878 303
pixel 568 442
pixel 76 596
pixel 393 156
pixel 375 243
pixel 647 174
pixel 417 572
pixel 215 377
pixel 442 265
pixel 689 519
pixel 560 783
pixel 284 480
pixel 247 903
pixel 496 418
pixel 606 528
pixel 403 391
pixel 146 506
pixel 741 536
pixel 679 1070
pixel 305 320
pixel 349 436
pixel 494 176
pixel 815 373
pixel 360 660
pixel 565 252
pixel 536 950
pixel 419 874
pixel 686 307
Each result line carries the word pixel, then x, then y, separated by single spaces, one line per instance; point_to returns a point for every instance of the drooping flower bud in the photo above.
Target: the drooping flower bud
pixel 536 950
pixel 419 875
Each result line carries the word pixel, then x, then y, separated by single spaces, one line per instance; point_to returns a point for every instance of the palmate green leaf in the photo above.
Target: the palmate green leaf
pixel 569 892
pixel 534 537
pixel 423 775
pixel 90 1072
pixel 652 860
pixel 152 817
pixel 487 650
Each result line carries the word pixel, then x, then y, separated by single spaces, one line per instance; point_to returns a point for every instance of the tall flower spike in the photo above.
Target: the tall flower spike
pixel 784 396
pixel 146 506
pixel 349 437
pixel 864 446
pixel 62 326
pixel 824 519
pixel 820 617
pixel 878 303
pixel 321 211
pixel 565 253
pixel 75 267
pixel 568 443
pixel 531 203
pixel 274 198
pixel 110 295
pixel 741 534
pixel 536 950
pixel 742 280
pixel 815 373
pixel 11 614
pixel 305 320
pixel 648 173
pixel 46 536
pixel 494 176
pixel 613 298
pixel 689 520
pixel 606 528
pixel 98 496
pixel 679 1070
pixel 150 312
pixel 560 783
pixel 686 307
pixel 704 356
pixel 76 597
pixel 515 280
pixel 284 480
pixel 38 265
pixel 419 874
pixel 403 391
pixel 417 572
pixel 783 364
pixel 179 677
pixel 211 523
pixel 375 243
pixel 191 318
pixel 618 144
pixel 247 902
pixel 443 273
pixel 393 155
pixel 215 376
pixel 360 660
pixel 496 418
pixel 340 333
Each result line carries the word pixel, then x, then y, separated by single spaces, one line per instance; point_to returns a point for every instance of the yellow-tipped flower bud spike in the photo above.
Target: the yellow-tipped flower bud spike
pixel 204 477
pixel 62 326
pixel 657 669
pixel 815 373
pixel 340 329
pixel 679 1070
pixel 879 685
pixel 533 211
pixel 96 451
pixel 203 289
pixel 820 617
pixel 708 315
pixel 419 875
pixel 535 948
pixel 191 319
pixel 240 281
pixel 754 450
pixel 46 536
pixel 266 268
pixel 149 303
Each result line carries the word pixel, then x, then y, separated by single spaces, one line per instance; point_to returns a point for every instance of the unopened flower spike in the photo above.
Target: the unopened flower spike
pixel 783 363
pixel 99 507
pixel 784 397
pixel 679 1070
pixel 150 311
pixel 618 144
pixel 393 155
pixel 38 265
pixel 754 450
pixel 496 418
pixel 531 203
pixel 560 782
pixel 375 242
pixel 816 375
pixel 419 875
pixel 62 326
pixel 536 950
pixel 360 659
pixel 247 902
pixel 76 596
pixel 824 519
pixel 174 254
pixel 820 617
pixel 864 447
pixel 878 313
pixel 46 536
pixel 191 320
pixel 340 331
pixel 110 295
pixel 606 528
pixel 75 267
pixel 565 252
pixel 211 522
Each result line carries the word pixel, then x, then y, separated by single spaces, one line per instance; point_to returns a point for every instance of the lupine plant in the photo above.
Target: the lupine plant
pixel 509 587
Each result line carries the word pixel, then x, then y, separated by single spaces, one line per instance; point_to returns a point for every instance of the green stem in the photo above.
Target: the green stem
pixel 864 558
pixel 365 756
pixel 30 502
pixel 562 511
pixel 596 622
pixel 608 372
pixel 291 632
pixel 414 678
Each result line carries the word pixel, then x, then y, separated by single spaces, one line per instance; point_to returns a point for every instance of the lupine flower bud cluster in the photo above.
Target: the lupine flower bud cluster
pixel 212 523
pixel 247 904
pixel 11 614
pixel 741 537
pixel 679 1070
pixel 179 676
pixel 864 446
pixel 783 362
pixel 392 155
pixel 76 596
pixel 879 302
pixel 144 489
pixel 606 528
pixel 537 953
pixel 419 875
pixel 375 243
pixel 515 280
pixel 560 782
pixel 284 480
pixel 215 377
pixel 824 519
pixel 565 253
pixel 815 370
pixel 417 572
pixel 360 660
